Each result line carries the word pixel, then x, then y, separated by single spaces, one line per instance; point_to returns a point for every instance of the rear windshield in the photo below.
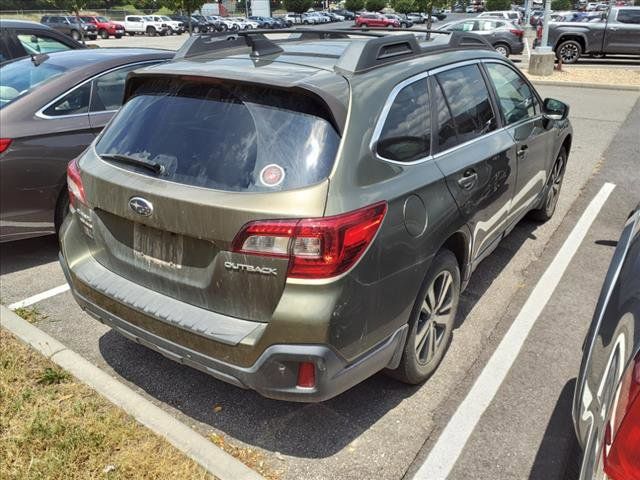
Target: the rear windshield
pixel 21 76
pixel 225 136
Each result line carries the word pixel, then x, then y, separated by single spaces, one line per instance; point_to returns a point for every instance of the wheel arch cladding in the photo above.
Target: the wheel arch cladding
pixel 458 244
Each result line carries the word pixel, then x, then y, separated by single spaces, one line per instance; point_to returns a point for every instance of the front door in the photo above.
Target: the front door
pixel 473 154
pixel 520 111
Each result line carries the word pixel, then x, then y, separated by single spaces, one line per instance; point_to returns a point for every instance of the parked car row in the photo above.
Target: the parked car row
pixel 506 38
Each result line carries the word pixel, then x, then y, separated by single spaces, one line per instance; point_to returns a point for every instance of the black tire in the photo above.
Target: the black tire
pixel 151 32
pixel 103 34
pixel 61 211
pixel 503 49
pixel 569 51
pixel 75 35
pixel 118 36
pixel 414 368
pixel 131 34
pixel 552 189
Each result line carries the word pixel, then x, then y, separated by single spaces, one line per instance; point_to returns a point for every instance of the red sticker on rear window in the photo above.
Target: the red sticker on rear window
pixel 272 175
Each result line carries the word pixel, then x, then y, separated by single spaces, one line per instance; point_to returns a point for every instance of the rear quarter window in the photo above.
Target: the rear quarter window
pixel 225 136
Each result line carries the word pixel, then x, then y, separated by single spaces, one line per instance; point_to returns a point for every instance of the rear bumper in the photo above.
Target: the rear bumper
pixel 273 374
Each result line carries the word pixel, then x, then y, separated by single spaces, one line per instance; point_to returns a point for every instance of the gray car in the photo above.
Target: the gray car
pixel 505 37
pixel 606 405
pixel 51 107
pixel 293 215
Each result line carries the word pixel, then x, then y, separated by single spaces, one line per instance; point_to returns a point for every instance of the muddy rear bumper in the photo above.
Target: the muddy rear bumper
pixel 273 374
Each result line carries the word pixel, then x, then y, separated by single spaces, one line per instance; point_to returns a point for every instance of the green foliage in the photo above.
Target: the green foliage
pixel 52 376
pixel 492 5
pixel 164 11
pixel 297 6
pixel 73 6
pixel 188 6
pixel 375 5
pixel 354 5
pixel 130 9
pixel 403 6
pixel 559 5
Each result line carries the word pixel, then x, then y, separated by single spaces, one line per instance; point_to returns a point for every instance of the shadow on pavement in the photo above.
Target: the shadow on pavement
pixel 23 254
pixel 558 439
pixel 299 430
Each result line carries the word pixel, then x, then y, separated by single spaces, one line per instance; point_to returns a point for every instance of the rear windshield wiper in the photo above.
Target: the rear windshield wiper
pixel 155 167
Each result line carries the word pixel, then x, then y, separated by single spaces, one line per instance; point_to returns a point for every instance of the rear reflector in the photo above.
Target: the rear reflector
pixel 74 184
pixel 4 144
pixel 622 440
pixel 317 248
pixel 306 375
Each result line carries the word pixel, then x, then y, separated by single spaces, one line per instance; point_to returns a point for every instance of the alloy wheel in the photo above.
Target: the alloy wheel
pixel 555 184
pixel 569 53
pixel 435 318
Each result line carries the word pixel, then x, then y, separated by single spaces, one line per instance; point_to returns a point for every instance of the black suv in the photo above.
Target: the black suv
pixel 324 233
pixel 72 26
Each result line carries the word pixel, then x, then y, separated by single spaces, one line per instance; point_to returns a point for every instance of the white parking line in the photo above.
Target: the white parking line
pixel 39 297
pixel 453 438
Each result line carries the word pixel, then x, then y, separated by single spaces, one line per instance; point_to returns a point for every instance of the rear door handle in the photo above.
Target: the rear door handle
pixel 468 180
pixel 522 152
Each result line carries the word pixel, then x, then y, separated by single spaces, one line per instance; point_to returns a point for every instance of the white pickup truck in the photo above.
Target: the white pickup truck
pixel 144 24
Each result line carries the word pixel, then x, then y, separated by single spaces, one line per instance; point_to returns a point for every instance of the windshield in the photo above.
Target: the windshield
pixel 20 77
pixel 103 19
pixel 225 137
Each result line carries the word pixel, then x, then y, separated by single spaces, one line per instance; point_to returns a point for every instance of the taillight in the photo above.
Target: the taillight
pixel 622 447
pixel 316 248
pixel 516 32
pixel 74 184
pixel 4 144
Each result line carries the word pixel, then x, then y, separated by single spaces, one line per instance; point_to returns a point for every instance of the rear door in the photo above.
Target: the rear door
pixel 623 32
pixel 473 153
pixel 521 115
pixel 230 154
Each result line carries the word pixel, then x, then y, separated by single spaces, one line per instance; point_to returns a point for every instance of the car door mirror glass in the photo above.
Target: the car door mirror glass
pixel 555 109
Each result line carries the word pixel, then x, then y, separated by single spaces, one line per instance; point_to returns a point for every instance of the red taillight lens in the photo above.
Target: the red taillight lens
pixel 74 184
pixel 622 460
pixel 4 144
pixel 306 375
pixel 518 33
pixel 317 248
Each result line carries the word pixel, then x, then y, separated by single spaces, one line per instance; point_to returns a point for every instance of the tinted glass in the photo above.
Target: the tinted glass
pixel 73 103
pixel 20 77
pixel 108 89
pixel 629 16
pixel 225 136
pixel 468 99
pixel 38 43
pixel 406 133
pixel 516 99
pixel 446 136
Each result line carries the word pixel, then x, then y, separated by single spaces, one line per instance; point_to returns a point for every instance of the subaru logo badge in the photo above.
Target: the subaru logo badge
pixel 141 206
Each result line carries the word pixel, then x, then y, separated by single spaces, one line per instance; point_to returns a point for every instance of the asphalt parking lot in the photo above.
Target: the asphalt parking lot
pixel 381 428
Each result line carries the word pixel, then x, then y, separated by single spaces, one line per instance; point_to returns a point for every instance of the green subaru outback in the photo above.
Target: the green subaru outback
pixel 293 215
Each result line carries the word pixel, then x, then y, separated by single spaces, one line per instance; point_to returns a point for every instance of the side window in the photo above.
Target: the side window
pixel 35 44
pixel 406 133
pixel 445 134
pixel 73 103
pixel 629 16
pixel 516 99
pixel 468 99
pixel 108 89
pixel 487 25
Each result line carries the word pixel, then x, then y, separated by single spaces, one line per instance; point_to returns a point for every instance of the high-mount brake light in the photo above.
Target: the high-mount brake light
pixel 74 184
pixel 316 247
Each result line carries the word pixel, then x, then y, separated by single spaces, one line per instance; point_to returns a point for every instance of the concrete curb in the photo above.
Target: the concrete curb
pixel 208 455
pixel 601 86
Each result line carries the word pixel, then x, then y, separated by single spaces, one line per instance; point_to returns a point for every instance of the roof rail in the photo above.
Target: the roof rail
pixel 377 48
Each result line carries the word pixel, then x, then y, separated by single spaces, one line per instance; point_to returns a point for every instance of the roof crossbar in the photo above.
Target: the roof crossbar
pixel 377 47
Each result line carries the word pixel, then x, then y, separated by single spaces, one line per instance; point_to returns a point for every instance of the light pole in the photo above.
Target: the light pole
pixel 544 42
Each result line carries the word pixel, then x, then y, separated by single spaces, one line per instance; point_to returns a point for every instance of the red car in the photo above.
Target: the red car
pixel 105 26
pixel 376 20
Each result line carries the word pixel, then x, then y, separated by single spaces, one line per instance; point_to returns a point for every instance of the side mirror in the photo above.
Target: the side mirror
pixel 555 109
